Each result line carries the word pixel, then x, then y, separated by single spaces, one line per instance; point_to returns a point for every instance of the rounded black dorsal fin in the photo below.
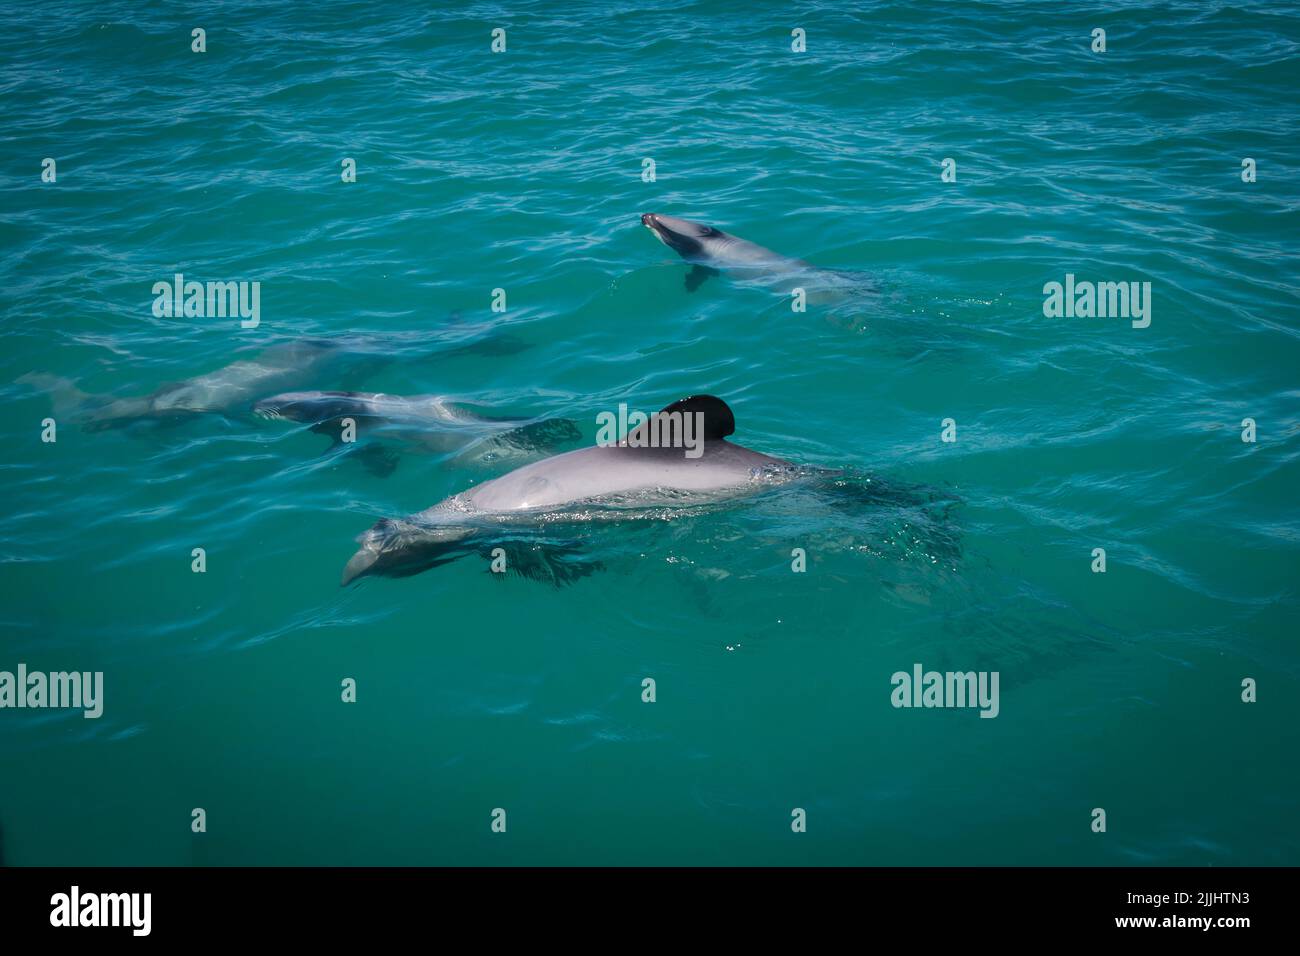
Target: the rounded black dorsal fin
pixel 718 420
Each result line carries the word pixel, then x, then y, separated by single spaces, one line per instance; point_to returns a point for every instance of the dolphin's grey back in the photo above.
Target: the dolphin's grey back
pixel 631 468
pixel 746 260
pixel 710 248
pixel 732 252
pixel 590 474
pixel 643 475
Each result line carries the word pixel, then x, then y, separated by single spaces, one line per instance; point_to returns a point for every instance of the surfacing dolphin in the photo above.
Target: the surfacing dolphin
pixel 711 250
pixel 432 422
pixel 615 479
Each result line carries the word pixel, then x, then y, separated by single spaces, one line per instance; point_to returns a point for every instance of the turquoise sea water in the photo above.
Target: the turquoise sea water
pixel 523 171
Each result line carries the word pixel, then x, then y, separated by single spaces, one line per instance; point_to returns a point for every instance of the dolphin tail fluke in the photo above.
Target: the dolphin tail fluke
pixel 64 394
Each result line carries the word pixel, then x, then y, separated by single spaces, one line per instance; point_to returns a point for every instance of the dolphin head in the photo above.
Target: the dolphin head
pixel 308 406
pixel 683 236
pixel 398 548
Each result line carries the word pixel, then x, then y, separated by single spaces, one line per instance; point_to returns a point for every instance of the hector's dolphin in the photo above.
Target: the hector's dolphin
pixel 631 474
pixel 285 365
pixel 229 389
pixel 711 250
pixel 432 422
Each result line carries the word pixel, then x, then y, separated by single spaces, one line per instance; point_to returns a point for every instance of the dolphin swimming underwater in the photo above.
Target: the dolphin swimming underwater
pixel 711 250
pixel 432 422
pixel 229 389
pixel 279 367
pixel 627 474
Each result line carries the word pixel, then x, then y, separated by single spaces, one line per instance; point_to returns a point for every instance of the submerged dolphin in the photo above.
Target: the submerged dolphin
pixel 286 365
pixel 408 409
pixel 430 421
pixel 711 250
pixel 228 389
pixel 630 473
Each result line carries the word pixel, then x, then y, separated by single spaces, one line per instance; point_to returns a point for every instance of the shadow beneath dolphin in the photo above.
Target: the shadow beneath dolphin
pixel 557 563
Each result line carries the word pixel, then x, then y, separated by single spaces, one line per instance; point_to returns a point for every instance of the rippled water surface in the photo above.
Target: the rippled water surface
pixel 522 171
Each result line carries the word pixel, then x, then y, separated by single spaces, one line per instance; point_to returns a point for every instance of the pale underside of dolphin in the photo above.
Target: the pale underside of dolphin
pixel 433 423
pixel 711 250
pixel 612 477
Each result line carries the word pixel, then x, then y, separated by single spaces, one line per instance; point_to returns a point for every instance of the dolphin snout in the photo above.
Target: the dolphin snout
pixel 648 219
pixel 358 565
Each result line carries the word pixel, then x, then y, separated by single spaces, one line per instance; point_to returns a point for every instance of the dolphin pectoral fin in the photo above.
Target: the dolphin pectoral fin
pixel 695 278
pixel 557 564
pixel 380 460
pixel 332 428
pixel 375 457
pixel 333 432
